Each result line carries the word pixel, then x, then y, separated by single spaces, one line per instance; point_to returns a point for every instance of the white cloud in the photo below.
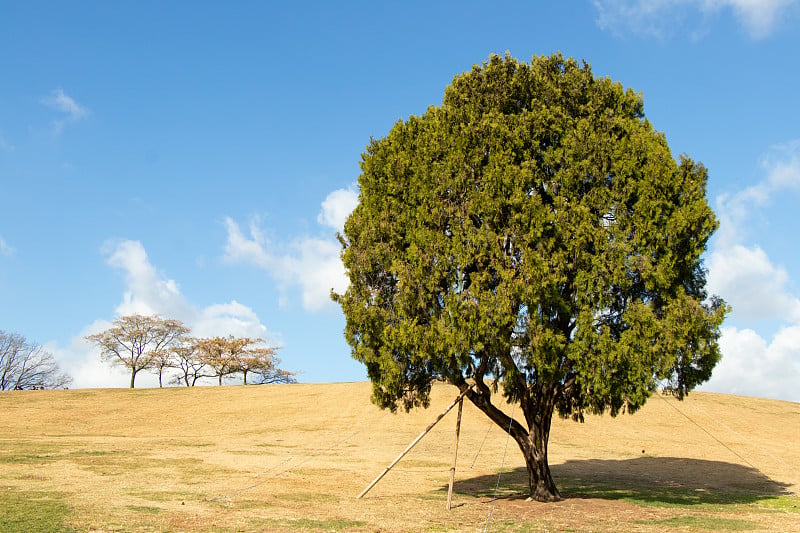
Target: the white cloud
pixel 336 207
pixel 241 248
pixel 659 18
pixel 318 270
pixel 147 292
pixel 230 318
pixel 312 264
pixel 752 366
pixel 758 291
pixel 150 292
pixel 5 248
pixel 61 102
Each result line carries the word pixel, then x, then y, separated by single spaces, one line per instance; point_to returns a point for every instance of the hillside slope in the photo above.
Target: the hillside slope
pixel 295 456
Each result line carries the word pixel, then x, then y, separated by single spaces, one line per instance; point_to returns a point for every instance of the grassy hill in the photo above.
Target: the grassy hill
pixel 294 457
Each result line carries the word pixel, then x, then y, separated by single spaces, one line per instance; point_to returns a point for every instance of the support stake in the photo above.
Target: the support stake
pixel 408 449
pixel 455 455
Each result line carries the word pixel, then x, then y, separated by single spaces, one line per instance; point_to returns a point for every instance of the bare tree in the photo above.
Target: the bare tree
pixel 161 360
pixel 263 364
pixel 274 375
pixel 26 365
pixel 134 340
pixel 191 366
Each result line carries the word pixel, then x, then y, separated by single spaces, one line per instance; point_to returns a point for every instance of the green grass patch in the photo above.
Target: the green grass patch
pixel 144 509
pixel 786 504
pixel 658 496
pixel 310 497
pixel 34 512
pixel 21 452
pixel 116 462
pixel 27 458
pixel 708 523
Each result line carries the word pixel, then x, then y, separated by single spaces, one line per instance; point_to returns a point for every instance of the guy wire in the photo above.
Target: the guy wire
pixel 502 462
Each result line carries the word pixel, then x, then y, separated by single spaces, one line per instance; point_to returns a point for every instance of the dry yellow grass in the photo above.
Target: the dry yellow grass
pixel 272 458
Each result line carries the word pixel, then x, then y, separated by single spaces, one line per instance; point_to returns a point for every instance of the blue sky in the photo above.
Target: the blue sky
pixel 195 159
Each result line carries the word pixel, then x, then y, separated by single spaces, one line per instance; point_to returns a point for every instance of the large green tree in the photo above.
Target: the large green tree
pixel 534 232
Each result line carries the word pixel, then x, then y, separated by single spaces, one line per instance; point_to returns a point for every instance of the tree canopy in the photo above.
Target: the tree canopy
pixel 533 232
pixel 137 342
pixel 142 342
pixel 223 355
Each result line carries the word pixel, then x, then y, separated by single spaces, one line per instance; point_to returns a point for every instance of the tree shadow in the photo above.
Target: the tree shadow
pixel 644 480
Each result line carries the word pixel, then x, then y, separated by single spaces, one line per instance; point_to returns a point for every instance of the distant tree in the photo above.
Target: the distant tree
pixel 26 365
pixel 191 367
pixel 533 233
pixel 222 354
pixel 160 361
pixel 134 340
pixel 274 375
pixel 263 364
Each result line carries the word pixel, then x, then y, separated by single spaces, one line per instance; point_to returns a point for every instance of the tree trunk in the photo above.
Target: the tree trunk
pixel 540 481
pixel 160 386
pixel 539 415
pixel 532 442
pixel 133 377
pixel 220 380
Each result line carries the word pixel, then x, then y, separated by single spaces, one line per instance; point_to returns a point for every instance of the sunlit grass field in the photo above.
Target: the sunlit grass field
pixel 294 457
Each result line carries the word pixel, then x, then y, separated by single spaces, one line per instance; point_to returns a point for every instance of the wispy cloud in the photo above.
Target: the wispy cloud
pixel 5 146
pixel 5 248
pixel 662 18
pixel 781 166
pixel 759 17
pixel 310 263
pixel 72 111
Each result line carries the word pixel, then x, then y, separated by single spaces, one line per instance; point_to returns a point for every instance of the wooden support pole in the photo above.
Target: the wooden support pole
pixel 408 449
pixel 455 455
